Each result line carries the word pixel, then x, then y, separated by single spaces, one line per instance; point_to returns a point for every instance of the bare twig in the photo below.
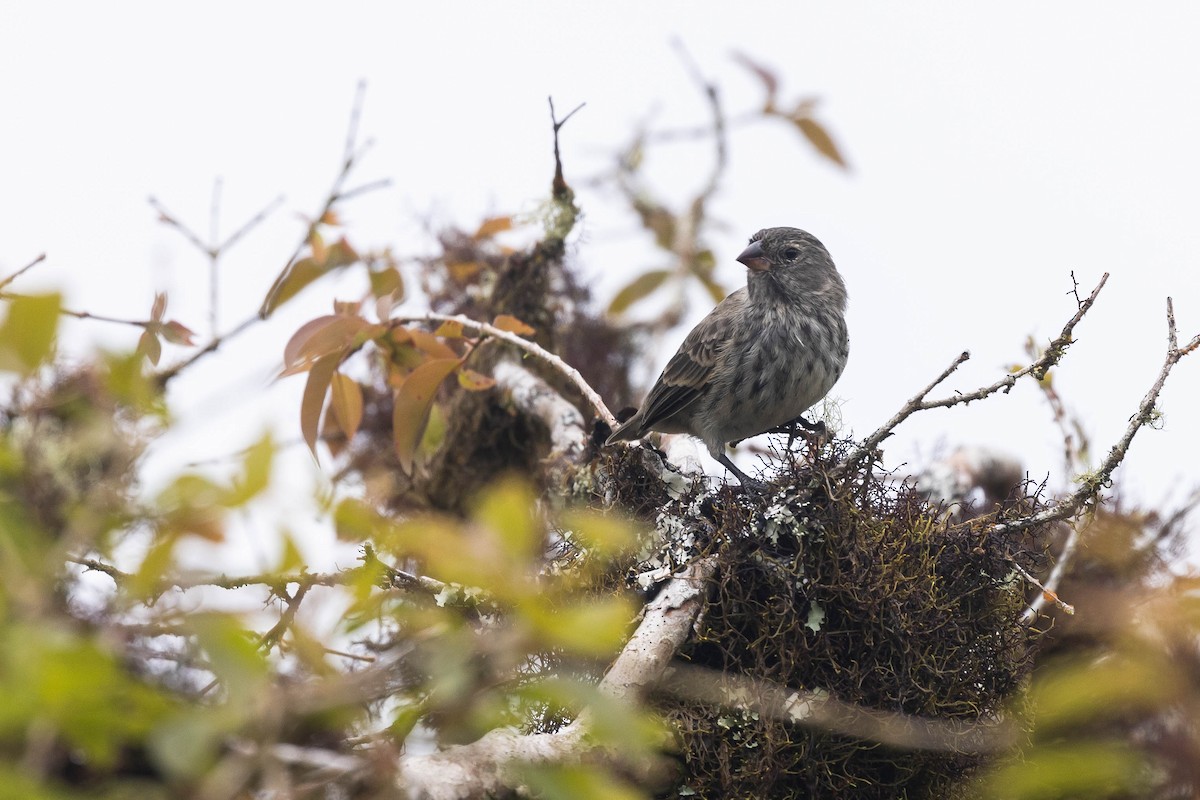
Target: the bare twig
pixel 1090 485
pixel 559 185
pixel 1048 594
pixel 532 348
pixel 276 632
pixel 275 581
pixel 337 193
pixel 137 323
pixel 913 405
pixel 1038 369
pixel 22 270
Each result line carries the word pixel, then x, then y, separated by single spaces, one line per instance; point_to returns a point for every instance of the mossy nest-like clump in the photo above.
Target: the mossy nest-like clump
pixel 852 588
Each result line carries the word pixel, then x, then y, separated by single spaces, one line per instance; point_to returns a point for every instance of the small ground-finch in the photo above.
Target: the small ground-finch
pixel 762 357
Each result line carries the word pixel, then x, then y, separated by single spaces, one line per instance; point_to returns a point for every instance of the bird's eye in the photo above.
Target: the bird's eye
pixel 791 253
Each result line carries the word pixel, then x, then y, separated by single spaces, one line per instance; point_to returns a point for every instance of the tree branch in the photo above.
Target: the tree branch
pixel 483 768
pixel 532 348
pixel 1051 356
pixel 1090 486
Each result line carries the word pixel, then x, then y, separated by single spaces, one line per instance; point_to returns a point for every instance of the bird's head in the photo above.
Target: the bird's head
pixel 792 260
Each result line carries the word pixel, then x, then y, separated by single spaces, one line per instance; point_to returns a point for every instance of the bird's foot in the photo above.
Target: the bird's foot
pixel 749 484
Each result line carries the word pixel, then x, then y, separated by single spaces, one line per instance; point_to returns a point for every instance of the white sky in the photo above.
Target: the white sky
pixel 994 150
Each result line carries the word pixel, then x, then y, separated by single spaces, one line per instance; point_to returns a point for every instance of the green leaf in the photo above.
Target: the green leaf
pixel 233 655
pixel 1081 769
pixel 585 782
pixel 385 282
pixel 256 471
pixel 27 334
pixel 590 628
pixel 506 507
pixel 639 288
pixel 291 281
pixel 606 535
pixel 414 399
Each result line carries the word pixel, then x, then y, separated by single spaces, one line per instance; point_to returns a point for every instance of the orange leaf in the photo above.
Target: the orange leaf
pixel 347 402
pixel 472 381
pixel 160 306
pixel 178 333
pixel 464 271
pixel 429 343
pixel 332 333
pixel 491 226
pixel 820 139
pixel 149 346
pixel 314 397
pixel 330 217
pixel 507 322
pixel 638 288
pixel 317 243
pixel 769 79
pixel 413 402
pixel 294 278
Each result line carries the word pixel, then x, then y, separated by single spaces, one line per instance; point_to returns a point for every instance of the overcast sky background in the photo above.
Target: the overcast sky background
pixel 993 150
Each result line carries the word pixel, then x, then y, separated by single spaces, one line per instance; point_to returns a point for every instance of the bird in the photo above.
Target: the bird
pixel 761 358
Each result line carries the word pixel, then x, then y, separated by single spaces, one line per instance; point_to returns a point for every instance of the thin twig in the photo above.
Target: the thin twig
pixel 913 405
pixel 272 636
pixel 214 258
pixel 167 218
pixel 137 323
pixel 532 348
pixel 1088 492
pixel 1092 483
pixel 251 224
pixel 22 270
pixel 559 185
pixel 1038 369
pixel 275 581
pixel 1030 613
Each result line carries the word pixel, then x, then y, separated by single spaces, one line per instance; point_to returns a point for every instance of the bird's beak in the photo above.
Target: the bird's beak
pixel 754 258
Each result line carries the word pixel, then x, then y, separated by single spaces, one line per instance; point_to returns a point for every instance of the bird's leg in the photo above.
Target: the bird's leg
pixel 817 429
pixel 747 482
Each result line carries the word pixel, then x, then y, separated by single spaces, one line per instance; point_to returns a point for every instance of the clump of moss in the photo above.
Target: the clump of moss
pixel 855 588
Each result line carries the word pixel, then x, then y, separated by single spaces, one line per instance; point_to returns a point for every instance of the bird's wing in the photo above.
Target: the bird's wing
pixel 689 372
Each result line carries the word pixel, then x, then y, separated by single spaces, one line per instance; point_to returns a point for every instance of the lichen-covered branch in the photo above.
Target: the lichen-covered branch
pixel 484 768
pixel 1090 485
pixel 533 348
pixel 535 397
